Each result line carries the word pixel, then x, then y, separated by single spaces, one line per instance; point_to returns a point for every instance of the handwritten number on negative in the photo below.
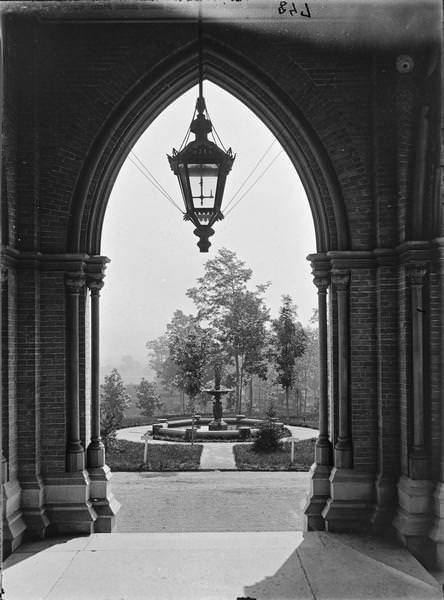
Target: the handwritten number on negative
pixel 282 9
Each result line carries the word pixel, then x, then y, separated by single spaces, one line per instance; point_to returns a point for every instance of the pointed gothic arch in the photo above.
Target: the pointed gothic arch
pixel 135 111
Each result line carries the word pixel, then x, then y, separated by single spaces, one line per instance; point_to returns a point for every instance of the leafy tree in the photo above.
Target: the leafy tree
pixel 236 314
pixel 307 370
pixel 189 351
pixel 147 398
pixel 288 342
pixel 114 400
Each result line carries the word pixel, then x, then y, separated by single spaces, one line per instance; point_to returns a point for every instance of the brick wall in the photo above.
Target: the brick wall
pixel 347 115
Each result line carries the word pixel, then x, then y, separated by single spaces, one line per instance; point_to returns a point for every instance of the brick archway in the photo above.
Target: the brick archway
pixel 360 120
pixel 134 112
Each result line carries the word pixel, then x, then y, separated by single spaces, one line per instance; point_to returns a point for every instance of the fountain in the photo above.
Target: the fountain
pixel 217 429
pixel 217 424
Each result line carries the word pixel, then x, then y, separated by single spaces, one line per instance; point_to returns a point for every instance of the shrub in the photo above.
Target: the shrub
pixel 269 434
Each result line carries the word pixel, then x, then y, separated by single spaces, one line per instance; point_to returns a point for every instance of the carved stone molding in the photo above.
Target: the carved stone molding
pixel 321 281
pixel 416 273
pixel 340 280
pixel 74 282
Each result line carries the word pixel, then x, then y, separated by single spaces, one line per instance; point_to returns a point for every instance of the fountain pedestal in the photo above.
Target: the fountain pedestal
pixel 217 424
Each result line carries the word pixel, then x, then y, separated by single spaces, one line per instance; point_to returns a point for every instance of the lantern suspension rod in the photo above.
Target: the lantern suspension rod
pixel 200 58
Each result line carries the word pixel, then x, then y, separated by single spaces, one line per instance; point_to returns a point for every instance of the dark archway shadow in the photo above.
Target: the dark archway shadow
pixel 346 567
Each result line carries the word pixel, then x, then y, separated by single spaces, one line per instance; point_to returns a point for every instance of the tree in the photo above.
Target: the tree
pixel 288 342
pixel 147 398
pixel 188 349
pixel 236 314
pixel 307 369
pixel 114 400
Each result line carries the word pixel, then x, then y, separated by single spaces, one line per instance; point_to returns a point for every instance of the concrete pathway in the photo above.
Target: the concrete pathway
pixel 218 456
pixel 216 566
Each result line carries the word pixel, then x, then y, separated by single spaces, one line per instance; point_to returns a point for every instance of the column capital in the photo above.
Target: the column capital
pixel 416 273
pixel 321 281
pixel 95 273
pixel 74 282
pixel 340 279
pixel 95 283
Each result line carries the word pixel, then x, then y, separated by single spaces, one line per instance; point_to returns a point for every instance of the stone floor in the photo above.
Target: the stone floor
pixel 216 566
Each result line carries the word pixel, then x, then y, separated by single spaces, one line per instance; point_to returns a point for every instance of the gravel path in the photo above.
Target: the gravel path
pixel 210 501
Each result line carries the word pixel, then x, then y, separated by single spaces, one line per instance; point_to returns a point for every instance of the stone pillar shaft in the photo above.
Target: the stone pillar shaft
pixel 104 503
pixel 75 451
pixel 323 445
pixel 96 450
pixel 343 450
pixel 418 463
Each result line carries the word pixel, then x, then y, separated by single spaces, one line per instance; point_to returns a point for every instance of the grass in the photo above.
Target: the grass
pixel 279 460
pixel 128 456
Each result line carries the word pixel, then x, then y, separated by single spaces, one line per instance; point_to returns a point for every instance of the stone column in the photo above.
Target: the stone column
pixel 103 502
pixel 413 518
pixel 418 464
pixel 323 445
pixel 343 458
pixel 320 471
pixel 75 459
pixel 96 449
pixel 67 486
pixel 351 490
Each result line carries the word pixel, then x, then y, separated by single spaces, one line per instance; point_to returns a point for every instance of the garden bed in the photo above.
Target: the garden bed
pixel 279 460
pixel 128 456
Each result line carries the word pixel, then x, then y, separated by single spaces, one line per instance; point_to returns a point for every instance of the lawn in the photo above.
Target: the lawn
pixel 128 456
pixel 279 460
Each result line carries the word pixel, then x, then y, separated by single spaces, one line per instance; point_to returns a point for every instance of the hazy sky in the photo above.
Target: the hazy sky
pixel 153 252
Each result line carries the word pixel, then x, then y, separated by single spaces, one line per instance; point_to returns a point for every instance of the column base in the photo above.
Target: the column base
pixel 437 533
pixel 352 499
pixel 95 455
pixel 413 517
pixel 34 509
pixel 386 503
pixel 14 526
pixel 317 497
pixel 75 460
pixel 68 505
pixel 103 501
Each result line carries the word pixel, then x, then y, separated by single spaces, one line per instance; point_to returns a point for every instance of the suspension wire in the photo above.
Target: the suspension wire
pixel 230 202
pixel 146 173
pixel 157 182
pixel 254 183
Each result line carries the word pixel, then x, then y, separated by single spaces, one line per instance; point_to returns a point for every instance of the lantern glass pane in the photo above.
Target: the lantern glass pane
pixel 203 182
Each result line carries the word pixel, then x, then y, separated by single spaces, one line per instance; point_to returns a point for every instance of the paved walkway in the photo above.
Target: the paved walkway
pixel 216 566
pixel 211 501
pixel 218 456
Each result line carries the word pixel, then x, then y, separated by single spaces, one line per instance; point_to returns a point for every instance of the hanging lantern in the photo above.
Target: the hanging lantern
pixel 202 168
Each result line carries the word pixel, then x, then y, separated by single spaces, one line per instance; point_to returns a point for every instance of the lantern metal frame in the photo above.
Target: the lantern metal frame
pixel 203 158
